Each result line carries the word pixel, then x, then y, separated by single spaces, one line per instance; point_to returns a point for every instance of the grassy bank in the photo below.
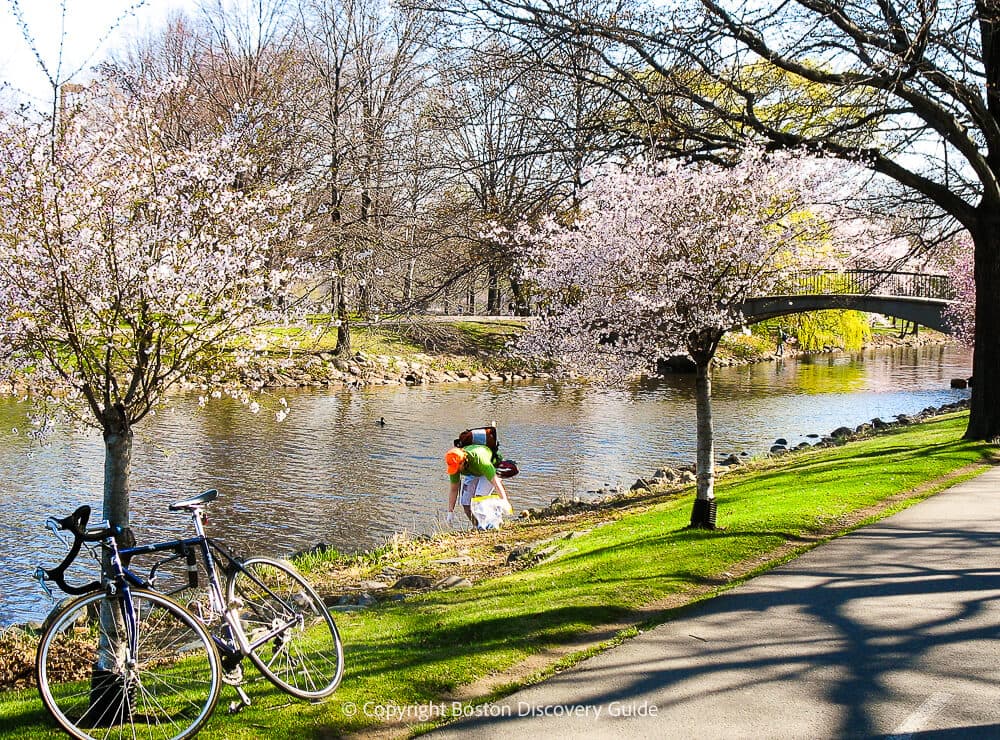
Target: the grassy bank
pixel 603 575
pixel 481 341
pixel 479 345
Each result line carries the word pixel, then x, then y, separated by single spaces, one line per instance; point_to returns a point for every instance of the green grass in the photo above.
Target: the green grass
pixel 414 654
pixel 453 345
pixel 481 340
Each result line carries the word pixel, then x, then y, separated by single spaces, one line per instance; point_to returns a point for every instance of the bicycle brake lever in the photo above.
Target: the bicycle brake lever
pixel 53 526
pixel 42 579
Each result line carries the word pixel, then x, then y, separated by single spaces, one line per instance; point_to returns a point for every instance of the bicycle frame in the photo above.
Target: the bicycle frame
pixel 234 645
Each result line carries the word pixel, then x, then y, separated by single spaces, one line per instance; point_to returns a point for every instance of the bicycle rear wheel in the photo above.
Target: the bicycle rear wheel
pixel 99 684
pixel 293 640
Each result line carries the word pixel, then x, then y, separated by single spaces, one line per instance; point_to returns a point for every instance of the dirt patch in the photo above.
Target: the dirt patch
pixel 473 554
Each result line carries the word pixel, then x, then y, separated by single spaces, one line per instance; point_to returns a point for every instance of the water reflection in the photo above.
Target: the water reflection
pixel 330 473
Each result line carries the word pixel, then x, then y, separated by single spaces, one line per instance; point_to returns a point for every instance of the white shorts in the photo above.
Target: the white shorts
pixel 474 486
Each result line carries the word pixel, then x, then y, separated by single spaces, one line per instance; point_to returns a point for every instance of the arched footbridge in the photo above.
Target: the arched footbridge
pixel 911 296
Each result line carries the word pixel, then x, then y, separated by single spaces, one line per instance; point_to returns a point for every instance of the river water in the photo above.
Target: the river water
pixel 330 473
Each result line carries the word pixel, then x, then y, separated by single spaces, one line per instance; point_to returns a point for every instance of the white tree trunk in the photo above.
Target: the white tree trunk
pixel 117 465
pixel 705 460
pixel 703 513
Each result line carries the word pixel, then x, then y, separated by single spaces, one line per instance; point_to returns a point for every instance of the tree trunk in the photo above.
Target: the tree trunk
pixel 105 683
pixel 703 514
pixel 411 266
pixel 343 318
pixel 493 291
pixel 117 464
pixel 364 303
pixel 520 298
pixel 984 410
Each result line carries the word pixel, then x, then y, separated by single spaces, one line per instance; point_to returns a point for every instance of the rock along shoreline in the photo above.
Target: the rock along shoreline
pixel 327 370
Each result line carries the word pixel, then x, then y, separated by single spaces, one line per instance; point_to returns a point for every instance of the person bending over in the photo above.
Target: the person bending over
pixel 471 473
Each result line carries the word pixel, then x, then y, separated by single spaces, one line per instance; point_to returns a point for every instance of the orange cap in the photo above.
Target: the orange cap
pixel 454 458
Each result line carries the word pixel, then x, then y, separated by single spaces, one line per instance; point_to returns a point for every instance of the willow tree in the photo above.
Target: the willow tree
pixel 128 267
pixel 660 261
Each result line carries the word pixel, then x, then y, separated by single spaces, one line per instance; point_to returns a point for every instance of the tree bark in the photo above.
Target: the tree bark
pixel 493 291
pixel 343 348
pixel 520 298
pixel 117 464
pixel 411 267
pixel 703 514
pixel 984 408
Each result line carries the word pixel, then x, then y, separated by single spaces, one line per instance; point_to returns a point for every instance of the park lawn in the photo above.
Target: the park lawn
pixel 638 567
pixel 477 346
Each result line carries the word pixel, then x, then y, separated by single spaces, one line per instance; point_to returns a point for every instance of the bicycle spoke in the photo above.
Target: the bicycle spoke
pixel 305 657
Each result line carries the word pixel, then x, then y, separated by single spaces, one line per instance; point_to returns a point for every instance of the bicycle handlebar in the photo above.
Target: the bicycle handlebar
pixel 75 524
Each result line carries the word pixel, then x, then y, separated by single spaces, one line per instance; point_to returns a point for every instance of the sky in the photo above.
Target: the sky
pixel 82 27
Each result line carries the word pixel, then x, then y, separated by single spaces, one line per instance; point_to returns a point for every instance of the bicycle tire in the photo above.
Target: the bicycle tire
pixel 166 687
pixel 305 660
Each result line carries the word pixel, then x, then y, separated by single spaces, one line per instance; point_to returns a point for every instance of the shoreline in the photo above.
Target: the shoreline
pixel 366 369
pixel 639 566
pixel 326 370
pixel 673 475
pixel 455 572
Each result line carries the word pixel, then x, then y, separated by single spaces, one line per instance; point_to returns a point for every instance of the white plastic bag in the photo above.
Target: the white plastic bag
pixel 489 510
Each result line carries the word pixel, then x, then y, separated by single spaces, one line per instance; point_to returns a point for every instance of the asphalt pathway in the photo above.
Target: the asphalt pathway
pixel 892 631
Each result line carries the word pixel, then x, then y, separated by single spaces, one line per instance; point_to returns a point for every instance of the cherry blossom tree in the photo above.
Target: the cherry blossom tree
pixel 960 315
pixel 659 262
pixel 128 267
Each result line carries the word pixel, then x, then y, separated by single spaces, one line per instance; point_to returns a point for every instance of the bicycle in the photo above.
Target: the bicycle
pixel 124 659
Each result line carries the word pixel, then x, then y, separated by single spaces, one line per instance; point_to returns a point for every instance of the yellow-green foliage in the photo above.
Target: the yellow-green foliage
pixel 848 330
pixel 782 100
pixel 750 347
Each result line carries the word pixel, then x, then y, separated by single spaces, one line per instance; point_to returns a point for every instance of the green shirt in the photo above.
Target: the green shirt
pixel 478 461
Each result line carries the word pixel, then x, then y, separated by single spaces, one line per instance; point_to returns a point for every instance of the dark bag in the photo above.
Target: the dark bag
pixel 486 436
pixel 506 468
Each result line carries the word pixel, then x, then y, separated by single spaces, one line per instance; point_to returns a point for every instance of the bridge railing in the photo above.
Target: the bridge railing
pixel 869 282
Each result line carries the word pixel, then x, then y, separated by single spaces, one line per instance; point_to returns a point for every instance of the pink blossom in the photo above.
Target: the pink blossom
pixel 661 254
pixel 961 314
pixel 127 264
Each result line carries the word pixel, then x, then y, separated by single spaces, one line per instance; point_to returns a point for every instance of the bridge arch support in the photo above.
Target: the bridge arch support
pixel 927 312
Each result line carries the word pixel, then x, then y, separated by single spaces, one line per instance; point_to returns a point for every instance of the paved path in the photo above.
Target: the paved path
pixel 892 631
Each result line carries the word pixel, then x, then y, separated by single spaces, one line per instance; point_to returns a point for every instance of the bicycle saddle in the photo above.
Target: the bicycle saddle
pixel 189 503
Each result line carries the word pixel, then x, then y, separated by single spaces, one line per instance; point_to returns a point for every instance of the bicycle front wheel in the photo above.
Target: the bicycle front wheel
pixel 293 640
pixel 140 668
